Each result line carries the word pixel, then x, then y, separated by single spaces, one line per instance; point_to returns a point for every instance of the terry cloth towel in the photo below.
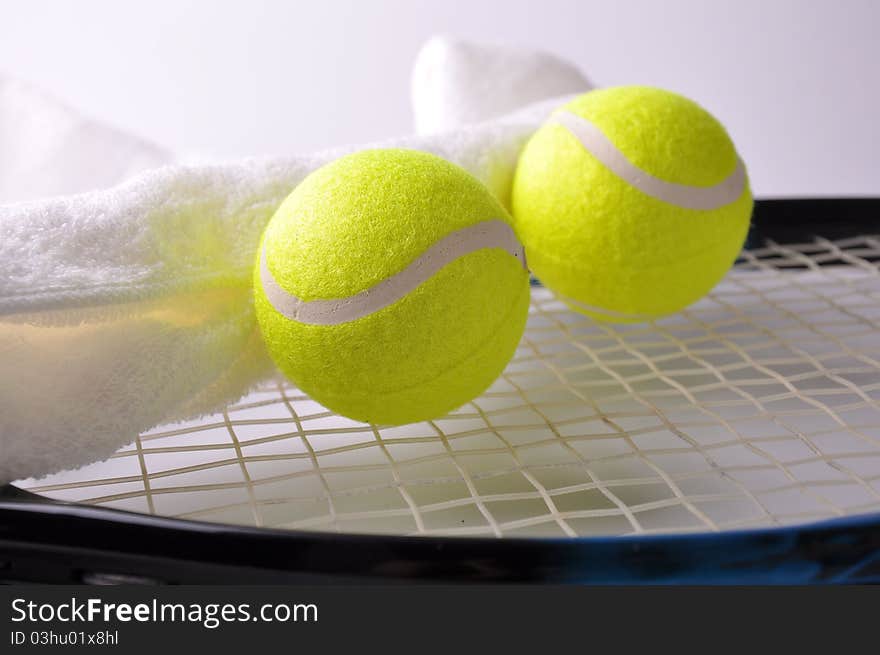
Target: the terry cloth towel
pixel 124 307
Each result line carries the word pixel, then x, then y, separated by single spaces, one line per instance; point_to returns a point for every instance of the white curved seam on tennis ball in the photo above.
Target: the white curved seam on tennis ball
pixel 682 195
pixel 487 234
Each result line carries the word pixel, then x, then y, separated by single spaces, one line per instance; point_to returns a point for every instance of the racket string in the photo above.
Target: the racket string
pixel 758 406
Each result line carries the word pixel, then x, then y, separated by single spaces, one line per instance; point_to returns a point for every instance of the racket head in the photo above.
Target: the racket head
pixel 738 441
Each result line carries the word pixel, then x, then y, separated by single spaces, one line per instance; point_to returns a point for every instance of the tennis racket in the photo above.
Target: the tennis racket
pixel 736 441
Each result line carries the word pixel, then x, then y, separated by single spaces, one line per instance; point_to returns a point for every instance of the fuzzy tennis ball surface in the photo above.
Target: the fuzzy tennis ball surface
pixel 632 203
pixel 391 287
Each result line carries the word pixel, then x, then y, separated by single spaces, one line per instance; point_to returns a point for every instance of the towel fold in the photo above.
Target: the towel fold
pixel 130 306
pixel 48 149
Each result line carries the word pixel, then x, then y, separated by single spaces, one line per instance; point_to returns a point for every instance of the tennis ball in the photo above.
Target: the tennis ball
pixel 631 202
pixel 391 287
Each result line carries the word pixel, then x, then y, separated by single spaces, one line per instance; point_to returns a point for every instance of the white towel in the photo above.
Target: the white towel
pixel 48 149
pixel 130 306
pixel 458 82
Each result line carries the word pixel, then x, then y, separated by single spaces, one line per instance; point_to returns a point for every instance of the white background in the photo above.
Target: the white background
pixel 796 82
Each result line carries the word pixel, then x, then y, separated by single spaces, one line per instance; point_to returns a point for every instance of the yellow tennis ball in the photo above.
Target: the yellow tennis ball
pixel 631 202
pixel 391 287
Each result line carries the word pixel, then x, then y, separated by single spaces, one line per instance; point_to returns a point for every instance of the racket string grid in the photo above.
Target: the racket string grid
pixel 758 406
